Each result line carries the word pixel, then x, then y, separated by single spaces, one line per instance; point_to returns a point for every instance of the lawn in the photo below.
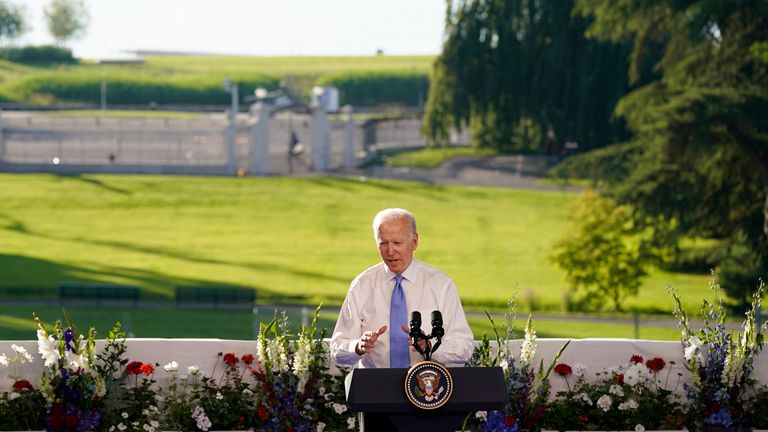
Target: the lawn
pixel 294 240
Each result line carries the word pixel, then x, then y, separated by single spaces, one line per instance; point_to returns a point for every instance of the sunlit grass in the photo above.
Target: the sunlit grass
pixel 431 157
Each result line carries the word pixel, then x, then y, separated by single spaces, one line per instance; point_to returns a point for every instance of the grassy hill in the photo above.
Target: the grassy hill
pixel 294 240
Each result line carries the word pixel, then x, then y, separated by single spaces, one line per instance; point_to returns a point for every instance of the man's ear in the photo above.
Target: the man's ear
pixel 415 241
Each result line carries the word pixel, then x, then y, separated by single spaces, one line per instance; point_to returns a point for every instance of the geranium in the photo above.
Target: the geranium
pixel 619 398
pixel 72 386
pixel 563 369
pixel 22 408
pixel 720 361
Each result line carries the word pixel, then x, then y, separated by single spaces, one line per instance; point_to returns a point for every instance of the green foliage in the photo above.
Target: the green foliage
pixel 601 253
pixel 698 166
pixel 38 54
pixel 126 89
pixel 66 19
pixel 371 88
pixel 12 23
pixel 522 75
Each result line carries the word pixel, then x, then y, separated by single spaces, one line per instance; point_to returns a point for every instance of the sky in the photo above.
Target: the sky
pixel 251 27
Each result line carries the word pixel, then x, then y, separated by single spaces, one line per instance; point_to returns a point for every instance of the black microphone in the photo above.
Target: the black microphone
pixel 415 325
pixel 437 324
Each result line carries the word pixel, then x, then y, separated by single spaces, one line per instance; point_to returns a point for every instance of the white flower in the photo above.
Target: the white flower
pixel 604 403
pixel 203 423
pixel 631 378
pixel 504 364
pixel 48 348
pixel 339 408
pixel 122 427
pixel 694 350
pixel 155 423
pixel 351 423
pixel 301 357
pixel 219 396
pixel 628 405
pixel 193 370
pixel 528 349
pixel 247 392
pixel 320 427
pixel 13 395
pixel 20 350
pixel 482 415
pixel 3 360
pixel 584 398
pixel 616 390
pixel 579 370
pixel 171 367
pixel 639 428
pixel 124 415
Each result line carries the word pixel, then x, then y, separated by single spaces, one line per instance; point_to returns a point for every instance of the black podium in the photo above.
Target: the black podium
pixel 380 395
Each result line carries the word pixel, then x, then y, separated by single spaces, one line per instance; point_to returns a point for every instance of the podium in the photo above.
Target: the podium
pixel 379 394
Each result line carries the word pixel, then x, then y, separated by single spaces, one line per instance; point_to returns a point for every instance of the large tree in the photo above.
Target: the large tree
pixel 66 19
pixel 697 163
pixel 523 76
pixel 11 21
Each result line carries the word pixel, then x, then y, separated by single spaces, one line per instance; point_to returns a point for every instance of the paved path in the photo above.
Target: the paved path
pixel 499 171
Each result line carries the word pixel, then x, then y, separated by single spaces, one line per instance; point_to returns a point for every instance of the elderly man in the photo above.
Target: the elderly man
pixel 372 329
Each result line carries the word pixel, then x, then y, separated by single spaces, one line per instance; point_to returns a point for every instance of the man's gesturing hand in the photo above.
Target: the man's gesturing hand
pixel 367 341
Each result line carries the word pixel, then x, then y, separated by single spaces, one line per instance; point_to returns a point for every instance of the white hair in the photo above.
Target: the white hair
pixel 392 213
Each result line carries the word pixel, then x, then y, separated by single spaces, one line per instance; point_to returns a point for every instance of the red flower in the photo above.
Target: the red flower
pixel 583 419
pixel 509 420
pixel 230 359
pixel 248 359
pixel 655 364
pixel 563 369
pixel 620 378
pixel 147 369
pixel 262 413
pixel 636 359
pixel 21 385
pixel 71 421
pixel 133 368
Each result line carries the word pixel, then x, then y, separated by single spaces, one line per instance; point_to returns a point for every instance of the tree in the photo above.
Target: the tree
pixel 602 253
pixel 697 162
pixel 66 19
pixel 522 76
pixel 12 23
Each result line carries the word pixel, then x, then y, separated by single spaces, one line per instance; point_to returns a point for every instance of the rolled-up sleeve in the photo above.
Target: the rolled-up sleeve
pixel 346 333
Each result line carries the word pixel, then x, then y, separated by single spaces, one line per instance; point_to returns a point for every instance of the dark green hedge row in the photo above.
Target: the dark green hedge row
pixel 38 54
pixel 379 88
pixel 129 90
pixel 357 89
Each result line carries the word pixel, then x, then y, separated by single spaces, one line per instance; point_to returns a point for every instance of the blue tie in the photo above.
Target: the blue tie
pixel 398 339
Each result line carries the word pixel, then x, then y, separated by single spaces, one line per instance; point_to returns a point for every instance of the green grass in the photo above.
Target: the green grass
pixel 431 157
pixel 294 240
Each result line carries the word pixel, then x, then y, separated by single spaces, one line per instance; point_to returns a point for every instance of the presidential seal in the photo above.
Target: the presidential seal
pixel 428 385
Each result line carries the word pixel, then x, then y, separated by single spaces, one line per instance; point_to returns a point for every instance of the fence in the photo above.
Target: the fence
pixel 207 144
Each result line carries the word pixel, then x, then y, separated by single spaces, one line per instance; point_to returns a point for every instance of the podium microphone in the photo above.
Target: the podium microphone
pixel 415 325
pixel 437 329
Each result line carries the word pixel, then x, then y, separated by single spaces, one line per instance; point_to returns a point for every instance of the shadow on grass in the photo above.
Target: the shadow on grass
pixel 95 182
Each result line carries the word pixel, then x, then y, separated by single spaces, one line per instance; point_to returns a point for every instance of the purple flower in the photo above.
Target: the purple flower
pixel 69 338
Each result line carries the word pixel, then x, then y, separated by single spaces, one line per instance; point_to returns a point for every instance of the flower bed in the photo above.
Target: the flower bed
pixel 284 381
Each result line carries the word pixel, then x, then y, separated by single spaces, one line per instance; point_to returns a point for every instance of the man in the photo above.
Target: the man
pixel 367 334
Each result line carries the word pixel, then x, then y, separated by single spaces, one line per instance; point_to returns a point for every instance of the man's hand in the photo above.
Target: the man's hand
pixel 367 341
pixel 422 342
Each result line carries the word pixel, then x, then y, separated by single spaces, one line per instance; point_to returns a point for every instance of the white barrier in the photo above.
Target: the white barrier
pixel 596 354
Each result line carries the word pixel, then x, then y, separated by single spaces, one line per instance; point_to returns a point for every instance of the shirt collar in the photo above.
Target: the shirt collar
pixel 409 274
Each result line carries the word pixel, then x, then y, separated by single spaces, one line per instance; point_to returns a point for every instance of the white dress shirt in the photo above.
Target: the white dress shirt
pixel 366 307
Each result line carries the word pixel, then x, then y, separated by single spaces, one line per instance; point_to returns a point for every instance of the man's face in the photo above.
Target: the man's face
pixel 397 243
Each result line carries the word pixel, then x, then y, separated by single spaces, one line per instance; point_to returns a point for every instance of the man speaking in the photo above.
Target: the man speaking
pixel 373 325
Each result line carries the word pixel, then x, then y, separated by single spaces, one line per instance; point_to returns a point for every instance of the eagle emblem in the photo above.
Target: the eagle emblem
pixel 428 385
